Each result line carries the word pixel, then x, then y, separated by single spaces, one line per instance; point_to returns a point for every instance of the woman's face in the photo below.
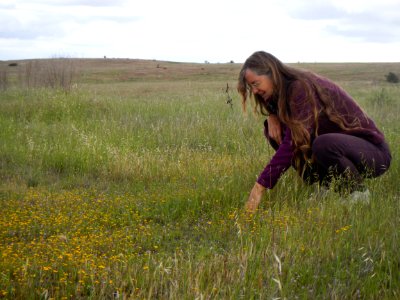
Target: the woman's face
pixel 260 84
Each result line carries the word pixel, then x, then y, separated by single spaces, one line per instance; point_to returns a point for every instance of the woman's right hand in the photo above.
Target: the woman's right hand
pixel 255 198
pixel 274 128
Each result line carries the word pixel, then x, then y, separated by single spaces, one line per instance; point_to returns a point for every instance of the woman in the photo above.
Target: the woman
pixel 313 125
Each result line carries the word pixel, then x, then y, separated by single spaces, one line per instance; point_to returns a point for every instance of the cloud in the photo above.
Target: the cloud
pixel 13 28
pixel 4 6
pixel 92 3
pixel 366 31
pixel 375 27
pixel 315 10
pixel 46 21
pixel 367 22
pixel 294 30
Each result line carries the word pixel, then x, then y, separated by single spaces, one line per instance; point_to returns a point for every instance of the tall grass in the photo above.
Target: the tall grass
pixel 135 190
pixel 4 81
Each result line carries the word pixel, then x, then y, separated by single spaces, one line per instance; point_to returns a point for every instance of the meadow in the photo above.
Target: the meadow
pixel 131 185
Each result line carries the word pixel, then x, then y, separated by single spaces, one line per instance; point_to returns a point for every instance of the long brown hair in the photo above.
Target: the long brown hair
pixel 282 76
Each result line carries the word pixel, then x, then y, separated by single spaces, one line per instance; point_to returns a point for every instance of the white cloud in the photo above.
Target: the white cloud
pixel 91 3
pixel 217 31
pixel 369 21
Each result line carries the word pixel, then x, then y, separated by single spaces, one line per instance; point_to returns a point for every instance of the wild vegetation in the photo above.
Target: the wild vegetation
pixel 392 77
pixel 131 185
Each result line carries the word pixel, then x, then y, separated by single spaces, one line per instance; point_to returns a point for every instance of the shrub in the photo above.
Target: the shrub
pixel 56 73
pixel 392 77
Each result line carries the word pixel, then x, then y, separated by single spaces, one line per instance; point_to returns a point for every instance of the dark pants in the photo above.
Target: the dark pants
pixel 344 158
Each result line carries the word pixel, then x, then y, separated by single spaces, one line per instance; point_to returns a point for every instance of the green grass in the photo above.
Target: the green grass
pixel 133 186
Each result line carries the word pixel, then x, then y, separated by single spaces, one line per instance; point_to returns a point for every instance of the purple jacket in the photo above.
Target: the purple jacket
pixel 300 110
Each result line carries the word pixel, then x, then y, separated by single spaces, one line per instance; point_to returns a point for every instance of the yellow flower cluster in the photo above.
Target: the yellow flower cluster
pixel 61 243
pixel 343 229
pixel 82 243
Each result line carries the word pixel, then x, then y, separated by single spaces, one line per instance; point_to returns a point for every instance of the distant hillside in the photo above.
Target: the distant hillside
pixel 125 70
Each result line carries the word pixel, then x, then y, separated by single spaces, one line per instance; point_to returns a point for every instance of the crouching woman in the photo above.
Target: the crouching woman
pixel 314 126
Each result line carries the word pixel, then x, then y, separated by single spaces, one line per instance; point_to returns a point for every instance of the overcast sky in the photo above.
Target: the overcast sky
pixel 198 31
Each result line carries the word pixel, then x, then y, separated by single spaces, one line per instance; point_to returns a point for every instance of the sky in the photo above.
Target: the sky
pixel 216 31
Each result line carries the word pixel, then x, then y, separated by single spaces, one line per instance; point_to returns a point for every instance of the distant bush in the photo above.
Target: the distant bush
pixel 392 77
pixel 56 73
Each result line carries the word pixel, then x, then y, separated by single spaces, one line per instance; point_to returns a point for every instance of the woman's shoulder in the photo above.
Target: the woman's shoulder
pixel 324 82
pixel 307 79
pixel 298 89
pixel 311 84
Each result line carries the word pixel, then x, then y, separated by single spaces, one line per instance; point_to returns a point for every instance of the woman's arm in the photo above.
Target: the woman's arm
pixel 279 163
pixel 274 128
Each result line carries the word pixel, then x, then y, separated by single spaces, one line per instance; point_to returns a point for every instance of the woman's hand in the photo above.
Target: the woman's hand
pixel 254 198
pixel 274 128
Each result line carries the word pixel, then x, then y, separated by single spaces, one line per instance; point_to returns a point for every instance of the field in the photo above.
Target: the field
pixel 131 185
